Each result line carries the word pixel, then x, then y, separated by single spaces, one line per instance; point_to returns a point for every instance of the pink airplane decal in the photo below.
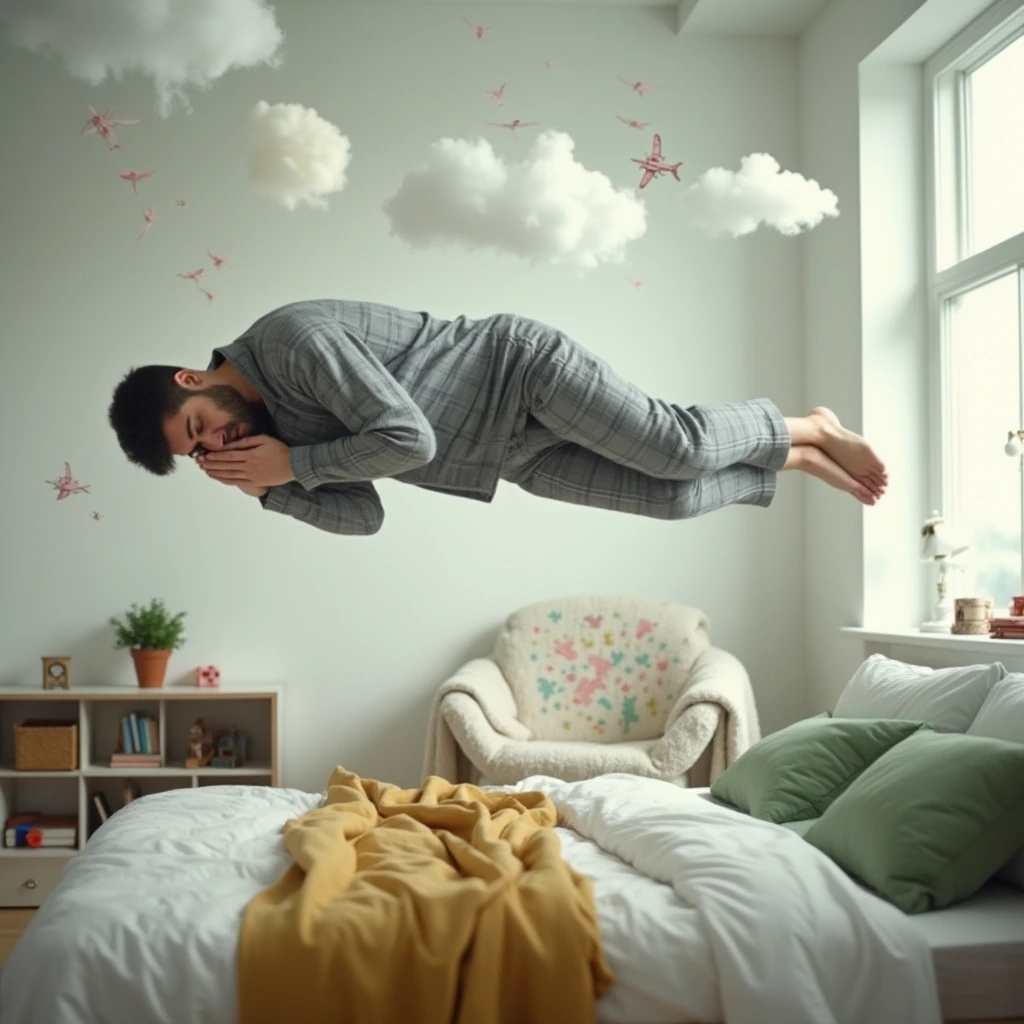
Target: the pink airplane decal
pixel 135 177
pixel 478 30
pixel 653 164
pixel 496 94
pixel 103 124
pixel 513 125
pixel 148 215
pixel 218 261
pixel 633 124
pixel 66 484
pixel 194 275
pixel 638 87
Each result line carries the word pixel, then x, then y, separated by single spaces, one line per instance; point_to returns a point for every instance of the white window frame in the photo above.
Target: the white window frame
pixel 947 125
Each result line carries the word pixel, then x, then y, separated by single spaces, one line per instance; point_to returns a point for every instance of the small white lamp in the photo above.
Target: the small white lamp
pixel 941 544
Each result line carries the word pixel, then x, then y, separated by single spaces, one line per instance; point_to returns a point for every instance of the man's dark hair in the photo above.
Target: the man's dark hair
pixel 142 401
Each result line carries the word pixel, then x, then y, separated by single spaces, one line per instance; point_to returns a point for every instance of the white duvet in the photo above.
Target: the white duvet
pixel 706 914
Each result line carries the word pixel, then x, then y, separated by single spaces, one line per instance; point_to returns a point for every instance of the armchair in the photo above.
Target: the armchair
pixel 583 686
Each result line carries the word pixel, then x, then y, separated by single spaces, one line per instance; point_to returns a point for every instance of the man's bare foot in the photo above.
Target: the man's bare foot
pixel 813 461
pixel 850 451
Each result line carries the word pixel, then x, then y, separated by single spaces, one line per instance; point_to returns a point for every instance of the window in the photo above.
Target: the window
pixel 975 133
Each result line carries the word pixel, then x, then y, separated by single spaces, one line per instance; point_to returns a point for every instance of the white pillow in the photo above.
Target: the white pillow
pixel 1002 718
pixel 947 698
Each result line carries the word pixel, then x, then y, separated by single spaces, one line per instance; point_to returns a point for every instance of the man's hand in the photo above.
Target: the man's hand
pixel 252 464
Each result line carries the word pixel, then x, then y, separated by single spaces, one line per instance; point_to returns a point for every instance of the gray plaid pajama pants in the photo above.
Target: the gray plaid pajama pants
pixel 589 437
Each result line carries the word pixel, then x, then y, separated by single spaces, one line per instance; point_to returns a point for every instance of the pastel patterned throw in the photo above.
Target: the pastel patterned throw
pixel 580 670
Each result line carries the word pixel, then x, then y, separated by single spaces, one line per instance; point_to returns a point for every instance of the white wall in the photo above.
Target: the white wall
pixel 864 316
pixel 359 631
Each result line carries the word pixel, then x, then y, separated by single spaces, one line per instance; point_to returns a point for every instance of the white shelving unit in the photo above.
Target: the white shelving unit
pixel 28 875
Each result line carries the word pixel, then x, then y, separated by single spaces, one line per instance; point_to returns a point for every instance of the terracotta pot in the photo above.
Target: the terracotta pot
pixel 150 667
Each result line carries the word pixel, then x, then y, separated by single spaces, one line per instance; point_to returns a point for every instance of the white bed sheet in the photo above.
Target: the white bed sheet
pixel 978 950
pixel 705 915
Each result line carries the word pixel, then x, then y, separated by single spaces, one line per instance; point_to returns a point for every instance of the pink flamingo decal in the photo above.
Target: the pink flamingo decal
pixel 638 87
pixel 66 484
pixel 103 125
pixel 654 164
pixel 194 275
pixel 148 215
pixel 513 125
pixel 496 94
pixel 478 30
pixel 218 261
pixel 135 177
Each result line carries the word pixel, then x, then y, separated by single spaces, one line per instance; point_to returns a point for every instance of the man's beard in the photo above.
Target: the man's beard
pixel 253 416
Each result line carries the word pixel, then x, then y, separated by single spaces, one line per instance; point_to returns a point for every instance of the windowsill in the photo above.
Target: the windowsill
pixel 946 641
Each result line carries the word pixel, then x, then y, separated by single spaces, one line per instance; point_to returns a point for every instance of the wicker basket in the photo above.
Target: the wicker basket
pixel 41 745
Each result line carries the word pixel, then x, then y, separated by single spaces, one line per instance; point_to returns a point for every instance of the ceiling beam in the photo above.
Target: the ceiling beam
pixel 683 11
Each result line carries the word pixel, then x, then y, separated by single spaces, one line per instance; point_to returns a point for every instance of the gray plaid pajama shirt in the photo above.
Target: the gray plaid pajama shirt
pixel 361 391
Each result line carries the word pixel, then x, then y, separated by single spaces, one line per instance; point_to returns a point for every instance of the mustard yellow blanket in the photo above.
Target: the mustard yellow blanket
pixel 441 905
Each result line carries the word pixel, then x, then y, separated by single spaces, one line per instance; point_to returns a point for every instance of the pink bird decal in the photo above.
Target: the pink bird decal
pixel 638 87
pixel 135 177
pixel 513 125
pixel 566 649
pixel 593 621
pixel 585 690
pixel 96 516
pixel 66 484
pixel 194 275
pixel 210 295
pixel 633 124
pixel 218 261
pixel 179 202
pixel 548 65
pixel 496 94
pixel 478 30
pixel 643 627
pixel 635 282
pixel 148 215
pixel 654 164
pixel 103 124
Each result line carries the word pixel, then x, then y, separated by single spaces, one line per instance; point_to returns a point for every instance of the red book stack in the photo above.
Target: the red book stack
pixel 1010 628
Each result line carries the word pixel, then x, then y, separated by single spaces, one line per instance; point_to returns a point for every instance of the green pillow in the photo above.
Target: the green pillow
pixel 797 772
pixel 931 820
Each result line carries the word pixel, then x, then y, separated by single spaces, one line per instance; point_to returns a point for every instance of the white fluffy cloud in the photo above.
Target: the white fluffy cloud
pixel 296 156
pixel 546 208
pixel 737 202
pixel 178 43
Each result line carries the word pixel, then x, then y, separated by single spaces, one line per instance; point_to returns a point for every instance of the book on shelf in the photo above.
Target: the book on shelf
pixel 138 742
pixel 99 801
pixel 34 830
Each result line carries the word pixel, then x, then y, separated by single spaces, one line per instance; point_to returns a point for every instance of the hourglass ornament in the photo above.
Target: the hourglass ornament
pixel 56 673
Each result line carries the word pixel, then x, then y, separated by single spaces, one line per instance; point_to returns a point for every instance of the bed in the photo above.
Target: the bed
pixel 706 914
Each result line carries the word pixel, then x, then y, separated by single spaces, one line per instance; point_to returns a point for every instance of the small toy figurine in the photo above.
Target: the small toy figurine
pixel 200 745
pixel 229 749
pixel 207 675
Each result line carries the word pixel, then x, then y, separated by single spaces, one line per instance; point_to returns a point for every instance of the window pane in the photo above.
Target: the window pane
pixel 984 388
pixel 996 112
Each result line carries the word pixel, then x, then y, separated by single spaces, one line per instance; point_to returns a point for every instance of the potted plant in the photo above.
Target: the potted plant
pixel 150 633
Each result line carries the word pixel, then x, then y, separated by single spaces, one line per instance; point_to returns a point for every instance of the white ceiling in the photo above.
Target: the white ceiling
pixel 756 17
pixel 743 17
